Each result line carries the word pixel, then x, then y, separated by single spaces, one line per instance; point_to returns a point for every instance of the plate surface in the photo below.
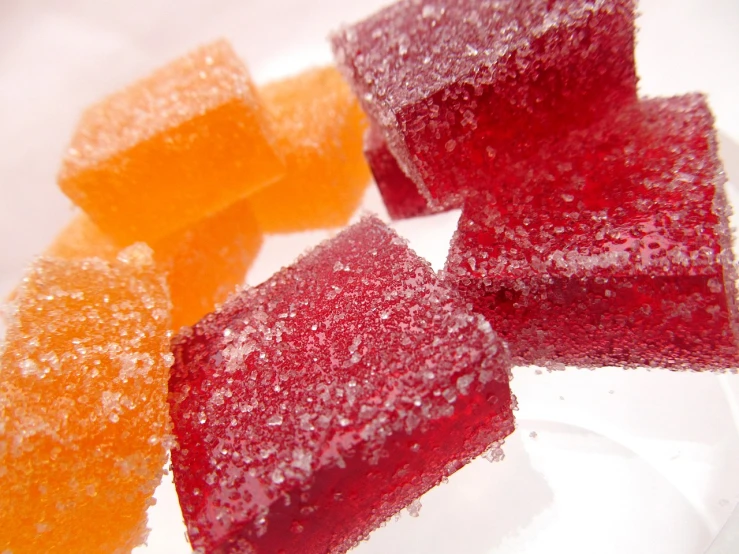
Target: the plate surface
pixel 604 461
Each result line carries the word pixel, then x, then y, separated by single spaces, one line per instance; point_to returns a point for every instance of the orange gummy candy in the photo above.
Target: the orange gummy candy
pixel 184 143
pixel 84 426
pixel 319 128
pixel 204 262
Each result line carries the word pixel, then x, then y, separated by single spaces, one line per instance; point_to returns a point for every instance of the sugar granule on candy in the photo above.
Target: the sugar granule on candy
pixel 399 192
pixel 461 88
pixel 318 127
pixel 310 409
pixel 143 161
pixel 204 262
pixel 611 247
pixel 84 426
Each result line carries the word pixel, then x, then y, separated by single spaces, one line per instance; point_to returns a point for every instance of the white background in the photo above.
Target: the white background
pixel 620 461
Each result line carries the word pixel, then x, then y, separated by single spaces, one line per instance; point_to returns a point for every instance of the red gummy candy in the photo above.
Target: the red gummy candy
pixel 311 408
pixel 399 192
pixel 609 248
pixel 462 88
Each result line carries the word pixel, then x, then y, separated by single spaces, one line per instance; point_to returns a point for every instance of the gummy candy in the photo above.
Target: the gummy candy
pixel 462 88
pixel 399 193
pixel 204 262
pixel 182 144
pixel 84 427
pixel 609 248
pixel 318 126
pixel 311 408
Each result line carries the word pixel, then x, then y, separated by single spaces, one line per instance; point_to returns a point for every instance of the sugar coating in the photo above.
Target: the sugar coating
pixel 461 88
pixel 145 161
pixel 204 263
pixel 399 192
pixel 611 247
pixel 318 126
pixel 84 427
pixel 311 408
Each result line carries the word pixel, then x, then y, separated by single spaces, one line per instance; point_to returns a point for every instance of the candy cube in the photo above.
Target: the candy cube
pixel 180 145
pixel 84 427
pixel 611 247
pixel 311 408
pixel 204 262
pixel 318 126
pixel 398 191
pixel 462 88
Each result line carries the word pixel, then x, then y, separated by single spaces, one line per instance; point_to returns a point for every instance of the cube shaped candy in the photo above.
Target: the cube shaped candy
pixel 318 126
pixel 203 262
pixel 84 428
pixel 462 88
pixel 182 144
pixel 611 247
pixel 310 409
pixel 399 192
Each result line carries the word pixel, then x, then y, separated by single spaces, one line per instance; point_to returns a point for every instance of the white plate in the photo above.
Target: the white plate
pixel 604 461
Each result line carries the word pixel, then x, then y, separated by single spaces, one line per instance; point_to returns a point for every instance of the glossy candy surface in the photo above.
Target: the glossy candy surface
pixel 311 408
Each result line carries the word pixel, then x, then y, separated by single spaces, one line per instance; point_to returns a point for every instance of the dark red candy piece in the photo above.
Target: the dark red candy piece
pixel 311 408
pixel 399 193
pixel 462 88
pixel 611 247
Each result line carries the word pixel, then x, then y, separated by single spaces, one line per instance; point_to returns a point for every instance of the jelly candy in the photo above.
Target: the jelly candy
pixel 204 262
pixel 318 126
pixel 84 427
pixel 611 247
pixel 462 88
pixel 399 193
pixel 182 144
pixel 311 408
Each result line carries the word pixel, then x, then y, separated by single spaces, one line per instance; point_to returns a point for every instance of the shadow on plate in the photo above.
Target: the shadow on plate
pixel 481 505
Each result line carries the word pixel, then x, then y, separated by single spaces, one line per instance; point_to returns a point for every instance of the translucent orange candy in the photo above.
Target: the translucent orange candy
pixel 184 143
pixel 84 427
pixel 204 262
pixel 319 128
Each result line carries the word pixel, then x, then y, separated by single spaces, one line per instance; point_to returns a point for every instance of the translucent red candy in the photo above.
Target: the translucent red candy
pixel 610 247
pixel 462 89
pixel 311 408
pixel 399 193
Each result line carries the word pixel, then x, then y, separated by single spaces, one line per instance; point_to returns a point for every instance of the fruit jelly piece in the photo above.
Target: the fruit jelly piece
pixel 84 426
pixel 610 248
pixel 399 192
pixel 311 408
pixel 204 262
pixel 462 88
pixel 318 126
pixel 143 161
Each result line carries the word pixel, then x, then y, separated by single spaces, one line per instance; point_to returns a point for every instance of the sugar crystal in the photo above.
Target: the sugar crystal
pixel 354 405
